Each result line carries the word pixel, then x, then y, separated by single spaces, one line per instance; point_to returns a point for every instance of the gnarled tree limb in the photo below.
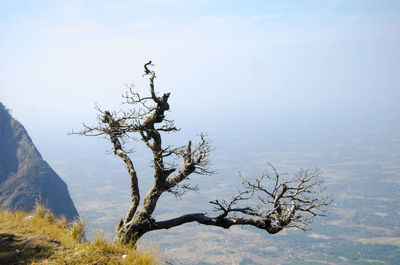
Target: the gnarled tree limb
pixel 270 202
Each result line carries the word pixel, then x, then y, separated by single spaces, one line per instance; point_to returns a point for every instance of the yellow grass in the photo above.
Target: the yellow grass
pixel 73 248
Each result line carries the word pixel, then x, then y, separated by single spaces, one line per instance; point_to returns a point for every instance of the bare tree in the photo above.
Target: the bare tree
pixel 271 202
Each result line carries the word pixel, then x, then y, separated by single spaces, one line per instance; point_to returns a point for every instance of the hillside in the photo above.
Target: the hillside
pixel 40 238
pixel 24 176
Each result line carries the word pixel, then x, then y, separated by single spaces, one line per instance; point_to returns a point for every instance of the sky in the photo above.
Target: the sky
pixel 233 61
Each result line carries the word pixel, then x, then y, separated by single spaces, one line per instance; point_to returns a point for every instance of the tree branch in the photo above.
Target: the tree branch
pixel 270 202
pixel 113 134
pixel 226 222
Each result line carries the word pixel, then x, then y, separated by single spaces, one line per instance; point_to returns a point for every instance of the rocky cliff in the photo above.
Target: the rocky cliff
pixel 24 176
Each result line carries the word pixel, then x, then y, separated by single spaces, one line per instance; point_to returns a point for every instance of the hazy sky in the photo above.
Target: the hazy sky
pixel 220 59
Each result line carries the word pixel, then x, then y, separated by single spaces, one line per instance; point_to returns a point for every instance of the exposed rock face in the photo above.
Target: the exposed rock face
pixel 24 176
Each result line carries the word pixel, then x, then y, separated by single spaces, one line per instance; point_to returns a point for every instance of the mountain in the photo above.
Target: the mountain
pixel 24 176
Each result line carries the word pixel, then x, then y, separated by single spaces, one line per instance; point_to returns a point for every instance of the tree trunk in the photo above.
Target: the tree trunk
pixel 131 232
pixel 282 203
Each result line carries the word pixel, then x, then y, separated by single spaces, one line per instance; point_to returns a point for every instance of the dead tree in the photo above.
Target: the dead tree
pixel 271 202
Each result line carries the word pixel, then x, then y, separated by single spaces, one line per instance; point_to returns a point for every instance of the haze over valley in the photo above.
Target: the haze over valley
pixel 297 84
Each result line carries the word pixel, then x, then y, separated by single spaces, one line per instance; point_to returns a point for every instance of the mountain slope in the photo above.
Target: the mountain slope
pixel 24 176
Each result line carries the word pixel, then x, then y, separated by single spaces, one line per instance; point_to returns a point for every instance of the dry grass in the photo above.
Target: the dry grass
pixel 78 230
pixel 100 251
pixel 73 248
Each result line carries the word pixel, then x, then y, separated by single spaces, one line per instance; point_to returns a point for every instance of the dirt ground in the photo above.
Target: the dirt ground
pixel 16 249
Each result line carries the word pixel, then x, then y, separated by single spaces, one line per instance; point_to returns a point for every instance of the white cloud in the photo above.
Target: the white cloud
pixel 78 28
pixel 266 17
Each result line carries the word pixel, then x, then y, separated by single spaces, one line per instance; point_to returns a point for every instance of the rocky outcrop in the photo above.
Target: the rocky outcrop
pixel 24 176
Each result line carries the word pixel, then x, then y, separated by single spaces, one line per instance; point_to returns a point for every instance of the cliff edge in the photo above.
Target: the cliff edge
pixel 24 176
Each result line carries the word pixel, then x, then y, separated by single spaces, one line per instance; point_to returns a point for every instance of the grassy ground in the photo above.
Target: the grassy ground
pixel 40 238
